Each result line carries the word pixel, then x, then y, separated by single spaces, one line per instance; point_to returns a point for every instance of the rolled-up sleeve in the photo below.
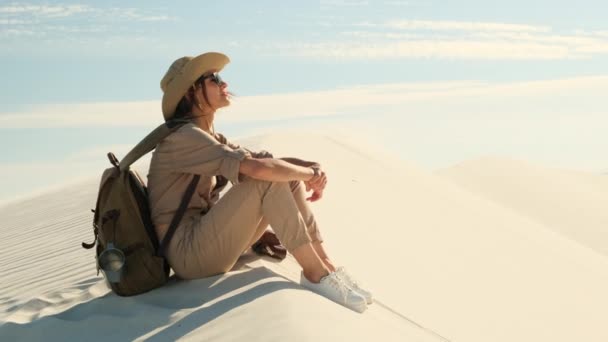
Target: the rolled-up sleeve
pixel 191 150
pixel 259 155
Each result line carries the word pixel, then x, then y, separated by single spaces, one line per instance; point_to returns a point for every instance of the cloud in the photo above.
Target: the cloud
pixel 136 15
pixel 93 154
pixel 84 115
pixel 343 3
pixel 5 21
pixel 572 96
pixel 462 26
pixel 48 11
pixel 17 32
pixel 439 49
pixel 61 11
pixel 452 40
pixel 52 22
pixel 398 3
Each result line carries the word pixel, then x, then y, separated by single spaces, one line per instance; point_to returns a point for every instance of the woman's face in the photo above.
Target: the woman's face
pixel 217 92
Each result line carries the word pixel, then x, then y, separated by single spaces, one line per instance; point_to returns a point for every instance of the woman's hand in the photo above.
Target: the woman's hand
pixel 316 195
pixel 316 184
pixel 262 154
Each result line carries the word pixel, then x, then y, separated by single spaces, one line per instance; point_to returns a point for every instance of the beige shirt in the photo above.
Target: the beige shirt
pixel 176 160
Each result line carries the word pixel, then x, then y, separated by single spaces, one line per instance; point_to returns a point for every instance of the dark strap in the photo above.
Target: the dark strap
pixel 178 215
pixel 95 232
pixel 90 245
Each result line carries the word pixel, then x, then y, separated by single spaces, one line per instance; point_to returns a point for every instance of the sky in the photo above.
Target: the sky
pixel 435 82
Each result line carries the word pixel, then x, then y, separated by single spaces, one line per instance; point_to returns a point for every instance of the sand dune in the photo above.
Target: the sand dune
pixel 462 266
pixel 569 202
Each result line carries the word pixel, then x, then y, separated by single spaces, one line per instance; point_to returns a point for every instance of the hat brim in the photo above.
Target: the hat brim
pixel 196 67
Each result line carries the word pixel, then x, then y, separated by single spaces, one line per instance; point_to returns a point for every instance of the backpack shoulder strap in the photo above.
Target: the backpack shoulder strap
pixel 150 142
pixel 178 215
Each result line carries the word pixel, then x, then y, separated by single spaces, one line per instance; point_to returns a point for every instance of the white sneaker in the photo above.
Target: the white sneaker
pixel 352 283
pixel 332 287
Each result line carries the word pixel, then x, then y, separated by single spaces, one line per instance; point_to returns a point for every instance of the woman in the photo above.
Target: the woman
pixel 214 232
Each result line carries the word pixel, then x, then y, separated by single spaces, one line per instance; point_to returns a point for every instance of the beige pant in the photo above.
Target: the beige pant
pixel 212 243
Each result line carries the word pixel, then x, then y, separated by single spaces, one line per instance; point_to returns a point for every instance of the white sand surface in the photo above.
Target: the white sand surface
pixel 435 254
pixel 572 203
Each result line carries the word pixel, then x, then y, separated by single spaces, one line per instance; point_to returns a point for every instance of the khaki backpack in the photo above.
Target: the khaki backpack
pixel 127 249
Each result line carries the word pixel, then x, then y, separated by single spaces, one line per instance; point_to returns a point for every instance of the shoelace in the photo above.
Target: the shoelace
pixel 338 284
pixel 350 281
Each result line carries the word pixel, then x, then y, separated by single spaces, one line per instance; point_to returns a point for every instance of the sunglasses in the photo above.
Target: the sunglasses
pixel 215 78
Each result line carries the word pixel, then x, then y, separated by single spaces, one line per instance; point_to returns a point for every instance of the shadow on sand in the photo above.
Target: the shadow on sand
pixel 158 307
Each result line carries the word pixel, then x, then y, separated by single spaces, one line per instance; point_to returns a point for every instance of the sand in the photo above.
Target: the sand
pixel 447 256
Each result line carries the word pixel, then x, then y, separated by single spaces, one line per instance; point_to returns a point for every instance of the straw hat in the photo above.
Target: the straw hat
pixel 182 74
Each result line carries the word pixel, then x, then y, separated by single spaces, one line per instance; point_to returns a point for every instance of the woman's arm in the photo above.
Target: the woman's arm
pixel 265 154
pixel 275 170
pixel 301 162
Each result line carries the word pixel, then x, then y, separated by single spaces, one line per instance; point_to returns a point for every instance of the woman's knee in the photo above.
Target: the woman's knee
pixel 255 184
pixel 268 185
